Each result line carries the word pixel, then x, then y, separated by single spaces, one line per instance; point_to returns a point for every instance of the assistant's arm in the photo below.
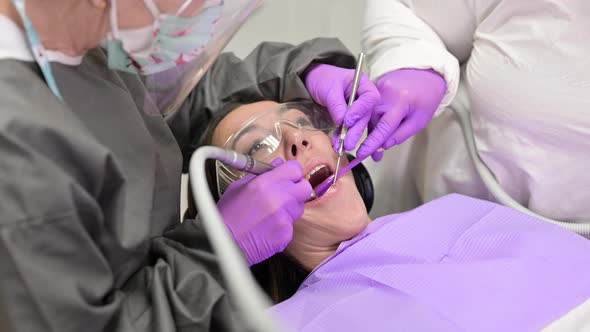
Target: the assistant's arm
pixel 62 265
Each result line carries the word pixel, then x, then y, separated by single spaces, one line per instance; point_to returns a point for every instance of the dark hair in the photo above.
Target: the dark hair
pixel 280 275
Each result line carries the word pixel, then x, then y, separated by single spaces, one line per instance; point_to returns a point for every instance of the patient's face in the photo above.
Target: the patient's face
pixel 338 215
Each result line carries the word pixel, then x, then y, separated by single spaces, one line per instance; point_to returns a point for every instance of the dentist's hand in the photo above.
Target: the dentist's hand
pixel 330 87
pixel 409 98
pixel 259 211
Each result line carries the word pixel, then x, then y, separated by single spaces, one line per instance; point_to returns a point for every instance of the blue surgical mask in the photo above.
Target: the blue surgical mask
pixel 171 41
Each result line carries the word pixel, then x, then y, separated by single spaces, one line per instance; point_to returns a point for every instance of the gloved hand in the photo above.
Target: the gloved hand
pixel 259 211
pixel 409 98
pixel 330 87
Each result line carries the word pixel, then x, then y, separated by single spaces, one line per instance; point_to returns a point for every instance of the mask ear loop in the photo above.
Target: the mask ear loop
pixel 183 7
pixel 37 48
pixel 151 5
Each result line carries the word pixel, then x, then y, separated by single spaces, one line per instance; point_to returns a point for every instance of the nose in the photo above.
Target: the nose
pixel 296 143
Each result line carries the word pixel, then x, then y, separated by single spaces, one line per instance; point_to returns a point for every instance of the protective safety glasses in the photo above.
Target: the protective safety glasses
pixel 262 136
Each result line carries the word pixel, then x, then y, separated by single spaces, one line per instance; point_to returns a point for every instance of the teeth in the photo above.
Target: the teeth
pixel 313 171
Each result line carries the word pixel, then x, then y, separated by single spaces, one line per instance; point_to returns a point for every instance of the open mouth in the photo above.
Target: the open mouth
pixel 318 175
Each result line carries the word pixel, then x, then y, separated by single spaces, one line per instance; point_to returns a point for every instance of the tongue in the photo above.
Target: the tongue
pixel 319 176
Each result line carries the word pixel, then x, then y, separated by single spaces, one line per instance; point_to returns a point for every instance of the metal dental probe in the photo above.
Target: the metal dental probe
pixel 344 129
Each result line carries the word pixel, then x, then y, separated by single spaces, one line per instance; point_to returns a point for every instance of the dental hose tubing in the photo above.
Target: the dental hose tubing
pixel 249 298
pixel 494 187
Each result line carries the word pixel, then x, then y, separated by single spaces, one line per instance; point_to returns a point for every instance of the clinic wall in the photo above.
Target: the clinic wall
pixel 295 21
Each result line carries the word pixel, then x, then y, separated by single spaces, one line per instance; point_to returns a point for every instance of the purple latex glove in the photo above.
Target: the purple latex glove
pixel 409 98
pixel 330 87
pixel 259 211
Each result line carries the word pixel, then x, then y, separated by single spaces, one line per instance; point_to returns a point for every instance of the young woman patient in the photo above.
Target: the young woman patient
pixel 455 263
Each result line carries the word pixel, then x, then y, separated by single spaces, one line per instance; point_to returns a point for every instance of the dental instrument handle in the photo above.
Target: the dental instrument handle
pixel 246 163
pixel 357 78
pixel 344 129
pixel 350 166
pixel 355 85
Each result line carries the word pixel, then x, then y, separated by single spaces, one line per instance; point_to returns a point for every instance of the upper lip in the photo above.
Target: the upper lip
pixel 312 164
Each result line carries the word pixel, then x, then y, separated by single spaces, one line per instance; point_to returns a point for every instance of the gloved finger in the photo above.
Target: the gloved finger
pixel 336 139
pixel 368 98
pixel 377 155
pixel 245 179
pixel 248 177
pixel 294 208
pixel 392 141
pixel 277 161
pixel 411 125
pixel 301 190
pixel 374 121
pixel 290 170
pixel 336 104
pixel 356 132
pixel 282 231
pixel 385 127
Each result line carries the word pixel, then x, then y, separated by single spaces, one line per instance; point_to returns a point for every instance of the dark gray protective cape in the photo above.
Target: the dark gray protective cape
pixel 90 238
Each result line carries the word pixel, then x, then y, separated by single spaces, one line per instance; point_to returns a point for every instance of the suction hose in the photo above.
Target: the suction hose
pixel 249 297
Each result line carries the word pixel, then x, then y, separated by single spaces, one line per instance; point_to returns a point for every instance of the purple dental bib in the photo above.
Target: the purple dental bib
pixel 453 264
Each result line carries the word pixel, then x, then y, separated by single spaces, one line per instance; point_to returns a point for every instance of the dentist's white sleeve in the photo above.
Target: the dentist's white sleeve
pixel 395 37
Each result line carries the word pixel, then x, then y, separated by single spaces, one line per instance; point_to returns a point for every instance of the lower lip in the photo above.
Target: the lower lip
pixel 325 196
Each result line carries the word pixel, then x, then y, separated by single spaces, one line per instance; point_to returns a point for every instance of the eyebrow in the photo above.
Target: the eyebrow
pixel 242 133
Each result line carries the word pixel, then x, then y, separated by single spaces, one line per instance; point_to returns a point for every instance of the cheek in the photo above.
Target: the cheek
pixel 323 143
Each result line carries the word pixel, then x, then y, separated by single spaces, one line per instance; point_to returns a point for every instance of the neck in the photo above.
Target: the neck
pixel 7 9
pixel 308 253
pixel 73 34
pixel 313 242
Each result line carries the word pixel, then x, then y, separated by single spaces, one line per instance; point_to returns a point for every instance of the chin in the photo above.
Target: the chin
pixel 341 212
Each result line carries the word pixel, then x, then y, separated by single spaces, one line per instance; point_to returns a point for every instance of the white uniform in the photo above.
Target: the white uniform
pixel 525 75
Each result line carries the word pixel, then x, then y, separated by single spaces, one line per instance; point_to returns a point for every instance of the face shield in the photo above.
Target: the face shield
pixel 170 44
pixel 262 135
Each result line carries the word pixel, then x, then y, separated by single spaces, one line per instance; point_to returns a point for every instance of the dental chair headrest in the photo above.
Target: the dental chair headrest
pixel 363 182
